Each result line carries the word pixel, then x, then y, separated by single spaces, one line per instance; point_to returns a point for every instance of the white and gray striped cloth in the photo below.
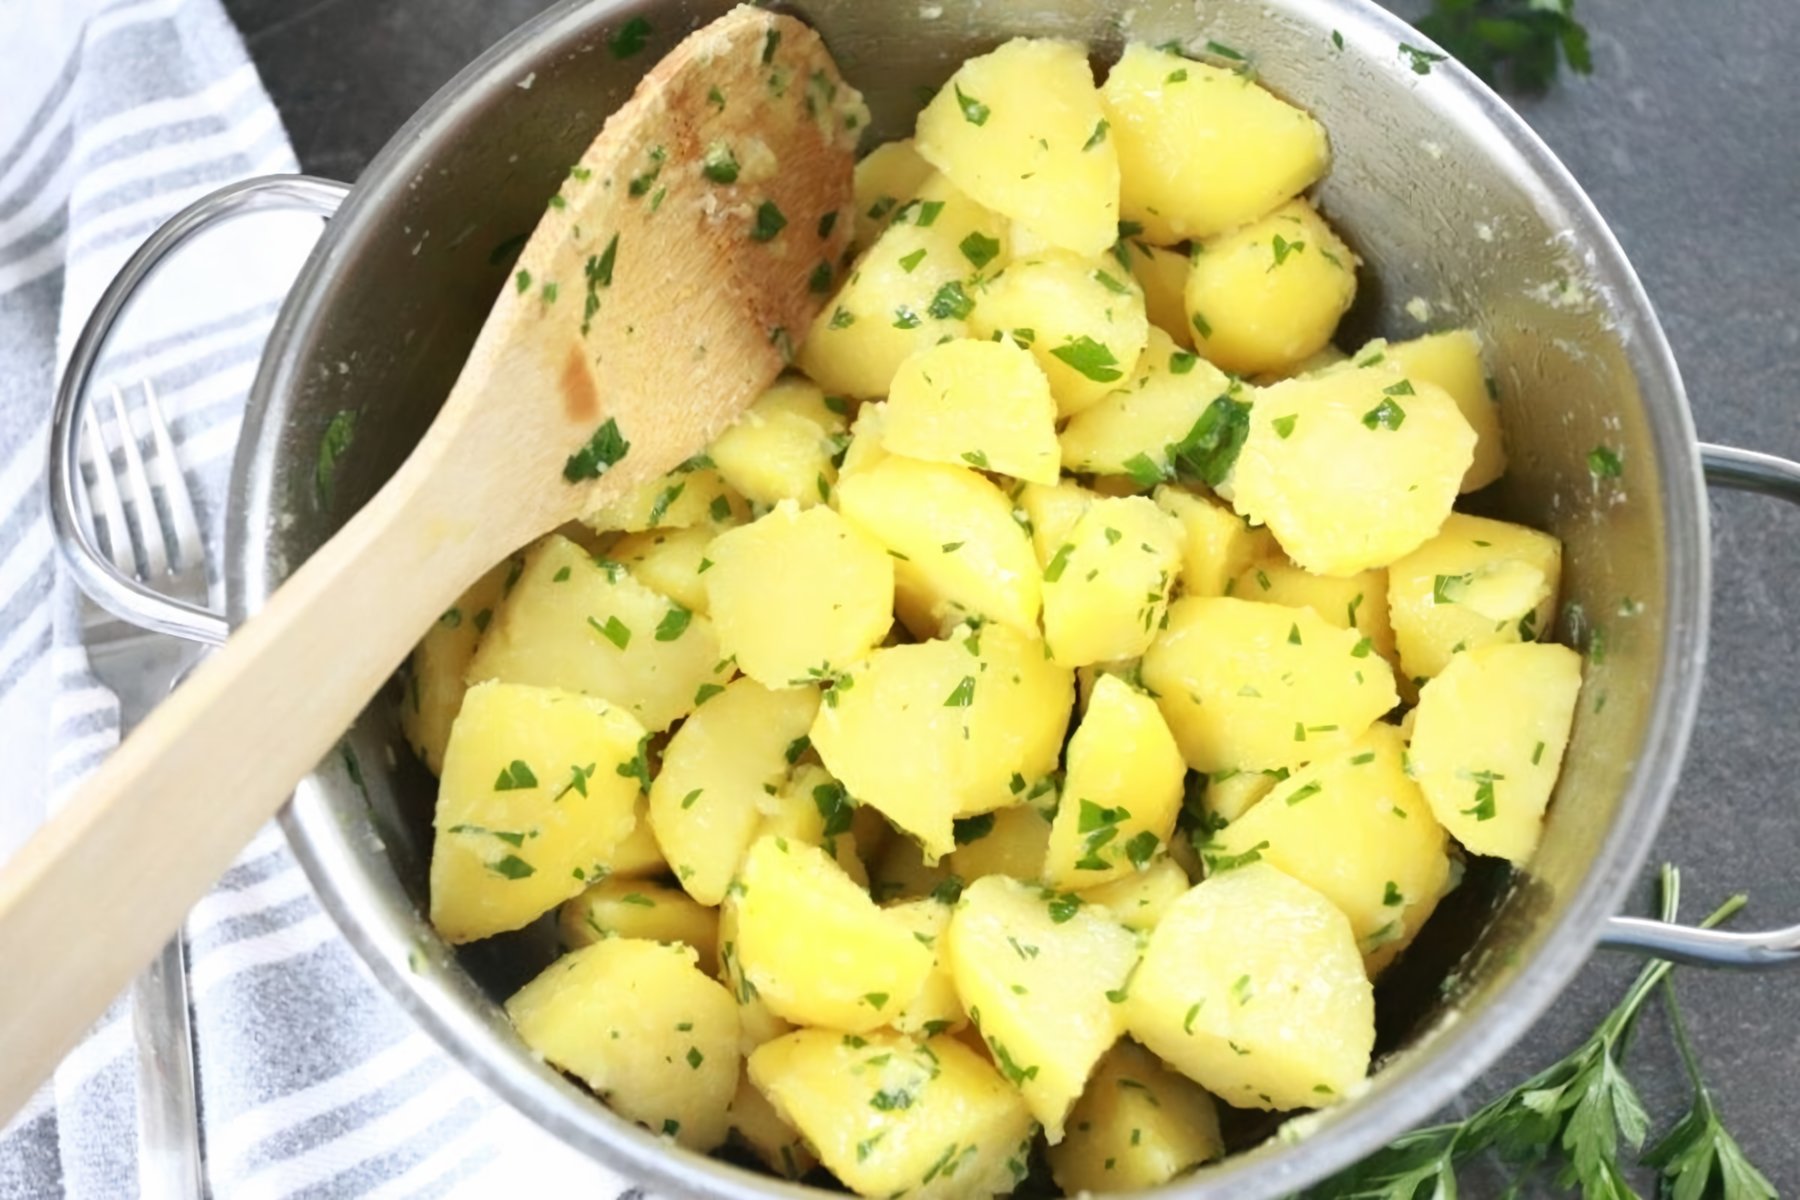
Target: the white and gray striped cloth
pixel 113 115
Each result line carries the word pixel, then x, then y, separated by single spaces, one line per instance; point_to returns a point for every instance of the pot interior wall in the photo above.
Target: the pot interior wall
pixel 1435 202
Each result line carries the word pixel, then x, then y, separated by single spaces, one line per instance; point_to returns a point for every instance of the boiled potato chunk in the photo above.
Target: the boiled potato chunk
pixel 776 1144
pixel 935 1008
pixel 1021 130
pixel 1254 686
pixel 1138 1125
pixel 1107 587
pixel 1081 318
pixel 1163 276
pixel 1351 470
pixel 1122 792
pixel 814 808
pixel 1132 431
pixel 1217 545
pixel 1012 841
pixel 781 448
pixel 1253 987
pixel 706 802
pixel 930 732
pixel 914 287
pixel 1034 973
pixel 435 678
pixel 1358 602
pixel 1050 512
pixel 573 624
pixel 798 595
pixel 756 1022
pixel 532 799
pixel 1452 360
pixel 670 561
pixel 1488 743
pixel 1357 830
pixel 1230 793
pixel 984 404
pixel 639 1023
pixel 957 550
pixel 886 178
pixel 631 908
pixel 1203 150
pixel 1477 583
pixel 814 945
pixel 888 1114
pixel 687 496
pixel 1139 900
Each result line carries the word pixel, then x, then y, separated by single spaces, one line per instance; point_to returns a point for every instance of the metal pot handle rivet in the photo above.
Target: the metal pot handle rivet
pixel 111 588
pixel 1748 471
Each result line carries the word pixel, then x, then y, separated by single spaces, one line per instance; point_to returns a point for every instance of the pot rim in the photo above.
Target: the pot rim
pixel 1419 1082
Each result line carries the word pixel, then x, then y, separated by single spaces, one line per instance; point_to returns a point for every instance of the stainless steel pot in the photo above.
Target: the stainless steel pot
pixel 1462 216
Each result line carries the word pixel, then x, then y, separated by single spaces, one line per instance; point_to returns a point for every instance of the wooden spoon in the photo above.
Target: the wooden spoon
pixel 659 295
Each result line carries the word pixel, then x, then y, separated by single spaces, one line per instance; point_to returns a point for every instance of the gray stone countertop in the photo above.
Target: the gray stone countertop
pixel 1684 137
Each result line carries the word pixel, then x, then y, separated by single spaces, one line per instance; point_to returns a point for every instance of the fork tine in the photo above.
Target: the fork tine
pixel 188 547
pixel 149 524
pixel 117 540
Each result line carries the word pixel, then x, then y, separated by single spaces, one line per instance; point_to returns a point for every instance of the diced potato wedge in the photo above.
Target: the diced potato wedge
pixel 1138 1125
pixel 865 449
pixel 1358 602
pixel 705 803
pixel 938 730
pixel 776 1144
pixel 1021 130
pixel 1268 296
pixel 1253 987
pixel 1107 587
pixel 887 177
pixel 1477 583
pixel 1452 360
pixel 956 547
pixel 1052 512
pixel 1201 149
pixel 1488 743
pixel 1357 830
pixel 816 948
pixel 1139 900
pixel 1081 318
pixel 532 799
pixel 639 1023
pixel 435 676
pixel 668 561
pixel 814 808
pixel 1163 276
pixel 572 624
pixel 984 404
pixel 1122 791
pixel 1351 470
pixel 797 595
pixel 781 448
pixel 635 908
pixel 1217 545
pixel 1251 685
pixel 1132 430
pixel 914 286
pixel 1034 974
pixel 1230 793
pixel 756 1022
pixel 888 1114
pixel 1011 841
pixel 687 496
pixel 935 1008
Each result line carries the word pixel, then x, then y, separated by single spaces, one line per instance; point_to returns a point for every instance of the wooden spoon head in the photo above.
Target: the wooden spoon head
pixel 669 279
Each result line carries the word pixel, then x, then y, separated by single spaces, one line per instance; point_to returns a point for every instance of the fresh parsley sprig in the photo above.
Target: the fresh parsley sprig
pixel 1521 43
pixel 1699 1157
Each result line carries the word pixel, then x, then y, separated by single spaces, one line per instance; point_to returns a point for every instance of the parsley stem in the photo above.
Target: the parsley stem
pixel 1689 1060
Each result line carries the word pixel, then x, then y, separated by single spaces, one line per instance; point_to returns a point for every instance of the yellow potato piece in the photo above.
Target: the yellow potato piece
pixel 435 680
pixel 814 808
pixel 687 496
pixel 797 596
pixel 1452 360
pixel 634 908
pixel 1201 149
pixel 1138 1125
pixel 635 857
pixel 639 1023
pixel 814 945
pixel 1357 830
pixel 1012 841
pixel 984 404
pixel 957 550
pixel 757 1024
pixel 1358 602
pixel 930 732
pixel 1122 792
pixel 1250 685
pixel 1081 318
pixel 1021 130
pixel 781 447
pixel 1268 296
pixel 1352 470
pixel 865 449
pixel 1477 583
pixel 1131 430
pixel 935 1008
pixel 668 561
pixel 1139 900
pixel 570 623
pixel 776 1144
pixel 1253 987
pixel 532 799
pixel 1230 793
pixel 887 177
pixel 1107 587
pixel 1217 545
pixel 1488 743
pixel 1163 276
pixel 1034 973
pixel 705 803
pixel 888 1114
pixel 1050 512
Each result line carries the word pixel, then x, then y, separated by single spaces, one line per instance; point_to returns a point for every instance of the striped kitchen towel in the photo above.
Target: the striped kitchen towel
pixel 113 115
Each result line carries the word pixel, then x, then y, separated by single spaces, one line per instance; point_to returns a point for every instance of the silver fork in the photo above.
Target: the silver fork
pixel 121 512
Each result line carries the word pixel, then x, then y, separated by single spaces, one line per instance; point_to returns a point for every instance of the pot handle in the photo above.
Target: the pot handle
pixel 108 586
pixel 1749 471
